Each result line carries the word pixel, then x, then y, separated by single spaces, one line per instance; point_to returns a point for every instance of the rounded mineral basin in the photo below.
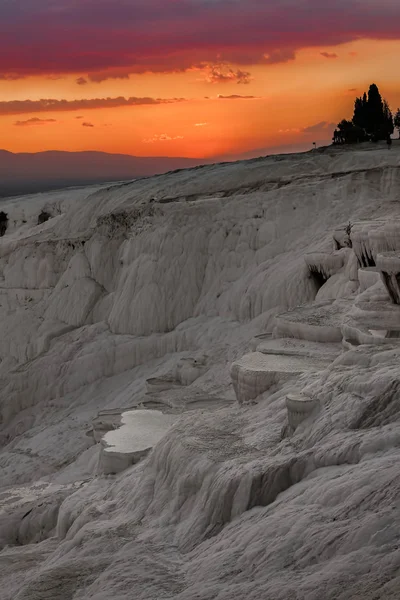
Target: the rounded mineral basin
pixel 388 261
pixel 258 339
pixel 140 431
pixel 255 373
pixel 161 384
pixel 318 322
pixel 299 408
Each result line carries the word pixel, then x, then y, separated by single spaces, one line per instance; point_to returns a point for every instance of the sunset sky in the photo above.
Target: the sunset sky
pixel 195 78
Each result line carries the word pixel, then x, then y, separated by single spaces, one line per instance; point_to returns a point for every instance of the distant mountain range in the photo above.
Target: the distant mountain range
pixel 26 173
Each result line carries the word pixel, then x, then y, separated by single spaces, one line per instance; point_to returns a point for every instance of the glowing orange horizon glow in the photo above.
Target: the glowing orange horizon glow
pixel 318 87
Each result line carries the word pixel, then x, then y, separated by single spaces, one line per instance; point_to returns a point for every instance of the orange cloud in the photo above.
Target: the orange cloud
pixel 9 76
pixel 290 130
pixel 329 54
pixel 163 137
pixel 280 55
pixel 224 74
pixel 34 121
pixel 237 97
pixel 15 107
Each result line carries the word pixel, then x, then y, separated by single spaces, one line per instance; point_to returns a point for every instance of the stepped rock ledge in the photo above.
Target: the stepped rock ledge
pixel 200 384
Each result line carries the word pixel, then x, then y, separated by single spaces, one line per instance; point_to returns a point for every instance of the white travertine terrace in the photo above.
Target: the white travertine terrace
pixel 255 373
pixel 299 408
pixel 386 238
pixel 298 347
pixel 341 238
pixel 388 264
pixel 259 339
pixel 361 245
pixel 368 276
pixel 319 322
pixel 187 370
pixel 116 289
pixel 336 272
pixel 325 264
pixel 373 318
pixel 371 238
pixel 154 385
pixel 106 420
pixel 139 431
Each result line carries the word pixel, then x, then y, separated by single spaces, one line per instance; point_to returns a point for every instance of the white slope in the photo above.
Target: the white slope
pixel 117 288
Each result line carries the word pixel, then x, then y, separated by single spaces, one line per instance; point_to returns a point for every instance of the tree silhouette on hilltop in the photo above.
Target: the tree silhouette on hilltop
pixel 396 121
pixel 372 120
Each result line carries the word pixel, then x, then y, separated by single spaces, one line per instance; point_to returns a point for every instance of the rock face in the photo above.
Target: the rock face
pixel 368 276
pixel 324 264
pixel 388 264
pixel 335 274
pixel 128 321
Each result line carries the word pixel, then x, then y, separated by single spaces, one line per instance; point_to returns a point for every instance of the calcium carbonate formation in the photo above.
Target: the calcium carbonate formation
pixel 158 337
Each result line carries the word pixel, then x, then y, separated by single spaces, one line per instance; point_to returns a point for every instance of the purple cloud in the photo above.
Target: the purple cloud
pixel 321 127
pixel 113 38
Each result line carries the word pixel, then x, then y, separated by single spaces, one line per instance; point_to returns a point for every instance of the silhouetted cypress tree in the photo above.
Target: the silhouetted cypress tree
pixel 360 117
pixel 389 125
pixel 365 100
pixel 358 112
pixel 396 121
pixel 348 133
pixel 375 114
pixel 372 120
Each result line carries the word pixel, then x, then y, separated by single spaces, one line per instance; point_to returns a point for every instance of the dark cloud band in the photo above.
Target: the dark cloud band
pixel 94 37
